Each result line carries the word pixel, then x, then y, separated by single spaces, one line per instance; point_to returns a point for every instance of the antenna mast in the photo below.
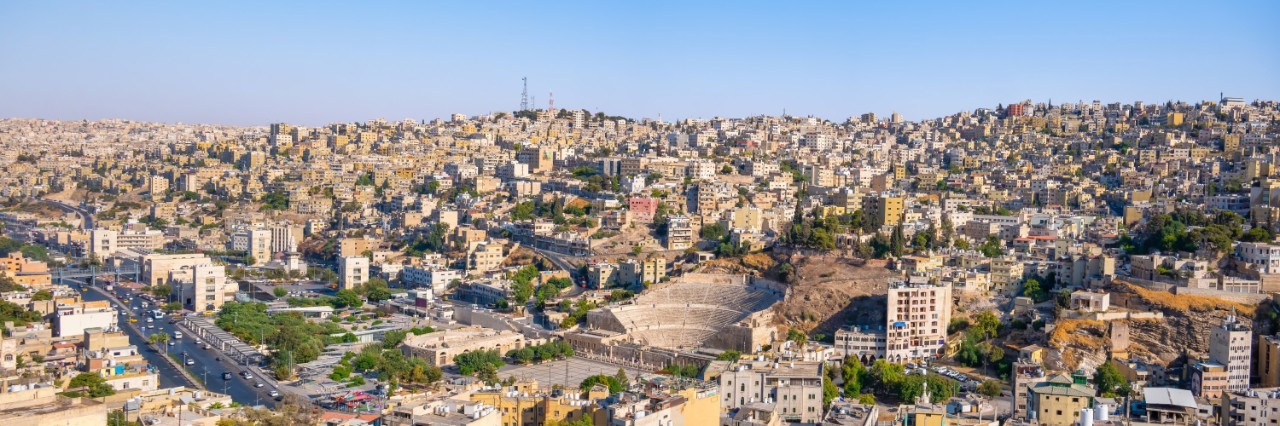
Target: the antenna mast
pixel 551 105
pixel 524 95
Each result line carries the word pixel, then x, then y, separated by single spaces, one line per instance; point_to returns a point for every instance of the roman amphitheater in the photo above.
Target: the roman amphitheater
pixel 694 311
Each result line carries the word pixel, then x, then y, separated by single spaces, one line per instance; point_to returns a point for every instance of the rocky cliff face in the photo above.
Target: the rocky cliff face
pixel 1184 330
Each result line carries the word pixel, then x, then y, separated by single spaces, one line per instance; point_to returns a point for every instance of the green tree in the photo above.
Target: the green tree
pixel 162 291
pixel 346 298
pixel 96 385
pixel 610 382
pixel 42 295
pixel 990 388
pixel 829 391
pixel 279 292
pixel 1110 382
pixel 992 247
pixel 471 362
pixel 729 355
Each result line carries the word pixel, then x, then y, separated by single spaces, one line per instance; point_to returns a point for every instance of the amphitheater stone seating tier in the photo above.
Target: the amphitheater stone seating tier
pixel 684 314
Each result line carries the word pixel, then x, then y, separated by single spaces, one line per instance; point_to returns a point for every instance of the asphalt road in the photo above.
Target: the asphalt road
pixel 169 377
pixel 86 217
pixel 208 364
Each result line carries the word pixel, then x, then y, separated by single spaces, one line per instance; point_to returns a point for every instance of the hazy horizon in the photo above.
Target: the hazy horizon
pixel 249 64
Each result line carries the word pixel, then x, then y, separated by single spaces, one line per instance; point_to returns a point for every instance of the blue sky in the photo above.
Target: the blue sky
pixel 313 63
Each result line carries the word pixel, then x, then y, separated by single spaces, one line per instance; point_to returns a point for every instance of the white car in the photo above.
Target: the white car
pixel 191 361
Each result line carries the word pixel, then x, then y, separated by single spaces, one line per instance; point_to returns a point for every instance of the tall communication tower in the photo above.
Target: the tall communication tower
pixel 551 105
pixel 524 95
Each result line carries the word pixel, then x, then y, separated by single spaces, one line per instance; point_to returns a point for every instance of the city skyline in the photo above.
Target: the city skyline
pixel 238 65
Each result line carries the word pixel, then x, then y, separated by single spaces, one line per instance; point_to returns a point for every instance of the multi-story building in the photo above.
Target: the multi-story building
pixel 632 272
pixel 155 267
pixel 1006 274
pixel 1209 380
pixel 1247 407
pixel 679 232
pixel 602 275
pixel 103 242
pixel 1059 400
pixel 1231 344
pixel 348 247
pixel 643 208
pixel 353 271
pixel 1265 257
pixel 74 319
pixel 1268 365
pixel 916 326
pixel 697 405
pixel 254 242
pixel 202 287
pixel 435 278
pixel 484 257
pixel 883 209
pixel 795 388
pixel 524 404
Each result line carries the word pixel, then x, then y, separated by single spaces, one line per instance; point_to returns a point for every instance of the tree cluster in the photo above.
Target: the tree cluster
pixel 538 353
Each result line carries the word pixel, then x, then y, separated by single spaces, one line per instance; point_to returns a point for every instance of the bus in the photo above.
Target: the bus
pixel 157 314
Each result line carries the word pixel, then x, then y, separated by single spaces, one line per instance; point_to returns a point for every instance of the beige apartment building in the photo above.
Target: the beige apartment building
pixel 1231 344
pixel 484 257
pixel 918 315
pixel 680 233
pixel 795 388
pixel 202 287
pixel 632 272
pixel 353 271
pixel 103 242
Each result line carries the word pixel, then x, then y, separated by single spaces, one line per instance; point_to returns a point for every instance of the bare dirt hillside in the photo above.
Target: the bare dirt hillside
pixel 829 292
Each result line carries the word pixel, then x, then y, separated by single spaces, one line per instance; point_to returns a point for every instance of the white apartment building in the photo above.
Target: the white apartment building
pixel 353 271
pixel 435 278
pixel 74 319
pixel 103 242
pixel 1265 256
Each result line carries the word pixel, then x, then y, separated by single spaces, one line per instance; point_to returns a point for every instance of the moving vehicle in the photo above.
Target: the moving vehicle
pixel 177 334
pixel 149 320
pixel 246 375
pixel 173 343
pixel 133 320
pixel 191 361
pixel 257 384
pixel 226 375
pixel 274 394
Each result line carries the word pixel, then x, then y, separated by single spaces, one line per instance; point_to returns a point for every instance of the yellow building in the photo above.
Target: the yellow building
pixel 882 209
pixel 1175 118
pixel 1057 401
pixel 524 404
pixel 25 272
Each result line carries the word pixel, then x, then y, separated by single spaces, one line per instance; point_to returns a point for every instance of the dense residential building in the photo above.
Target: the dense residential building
pixel 795 388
